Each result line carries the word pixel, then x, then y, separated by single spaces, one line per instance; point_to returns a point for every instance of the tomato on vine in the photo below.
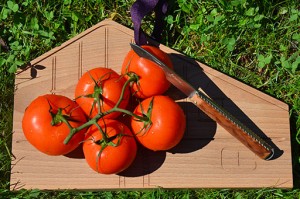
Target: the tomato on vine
pixel 151 79
pixel 165 126
pixel 109 147
pixel 47 122
pixel 98 90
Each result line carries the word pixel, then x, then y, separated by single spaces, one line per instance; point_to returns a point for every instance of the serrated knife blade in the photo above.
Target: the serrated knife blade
pixel 236 128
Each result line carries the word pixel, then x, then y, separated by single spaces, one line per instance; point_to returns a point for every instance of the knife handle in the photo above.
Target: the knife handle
pixel 232 125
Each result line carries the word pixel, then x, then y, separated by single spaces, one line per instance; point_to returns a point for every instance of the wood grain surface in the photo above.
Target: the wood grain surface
pixel 207 157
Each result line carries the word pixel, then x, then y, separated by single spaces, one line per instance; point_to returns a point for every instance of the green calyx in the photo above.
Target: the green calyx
pixel 146 119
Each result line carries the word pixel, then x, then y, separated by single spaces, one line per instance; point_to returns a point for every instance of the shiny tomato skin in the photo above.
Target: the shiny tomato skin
pixel 112 159
pixel 168 124
pixel 39 132
pixel 111 84
pixel 152 80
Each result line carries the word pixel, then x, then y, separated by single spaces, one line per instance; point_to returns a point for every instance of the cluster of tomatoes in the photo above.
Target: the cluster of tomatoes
pixel 100 118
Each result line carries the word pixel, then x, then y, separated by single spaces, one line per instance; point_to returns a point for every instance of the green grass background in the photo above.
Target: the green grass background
pixel 256 42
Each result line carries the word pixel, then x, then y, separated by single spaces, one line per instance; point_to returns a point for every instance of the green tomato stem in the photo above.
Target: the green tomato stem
pixel 131 79
pixel 104 135
pixel 73 131
pixel 93 121
pixel 145 118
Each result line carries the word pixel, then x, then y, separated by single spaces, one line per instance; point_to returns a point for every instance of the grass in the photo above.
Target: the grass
pixel 256 42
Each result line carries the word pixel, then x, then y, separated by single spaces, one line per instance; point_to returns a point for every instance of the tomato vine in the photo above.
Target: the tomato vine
pixel 101 96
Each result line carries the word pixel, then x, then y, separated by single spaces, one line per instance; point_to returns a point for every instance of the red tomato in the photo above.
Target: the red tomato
pixel 108 88
pixel 105 158
pixel 152 80
pixel 168 123
pixel 49 138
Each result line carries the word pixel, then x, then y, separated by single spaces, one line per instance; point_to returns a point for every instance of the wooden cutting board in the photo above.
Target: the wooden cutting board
pixel 208 156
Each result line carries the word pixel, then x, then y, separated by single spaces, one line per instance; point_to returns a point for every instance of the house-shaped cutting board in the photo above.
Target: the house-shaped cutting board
pixel 207 157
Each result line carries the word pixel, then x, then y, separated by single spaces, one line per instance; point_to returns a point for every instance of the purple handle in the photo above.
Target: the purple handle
pixel 139 10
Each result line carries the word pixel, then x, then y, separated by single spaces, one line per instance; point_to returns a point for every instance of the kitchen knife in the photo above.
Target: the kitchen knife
pixel 245 135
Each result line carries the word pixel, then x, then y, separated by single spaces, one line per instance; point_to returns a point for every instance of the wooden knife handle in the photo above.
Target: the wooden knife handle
pixel 233 126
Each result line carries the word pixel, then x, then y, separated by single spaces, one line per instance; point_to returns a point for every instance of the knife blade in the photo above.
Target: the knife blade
pixel 216 112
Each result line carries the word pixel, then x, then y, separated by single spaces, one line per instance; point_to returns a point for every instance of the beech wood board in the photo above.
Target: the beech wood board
pixel 207 157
